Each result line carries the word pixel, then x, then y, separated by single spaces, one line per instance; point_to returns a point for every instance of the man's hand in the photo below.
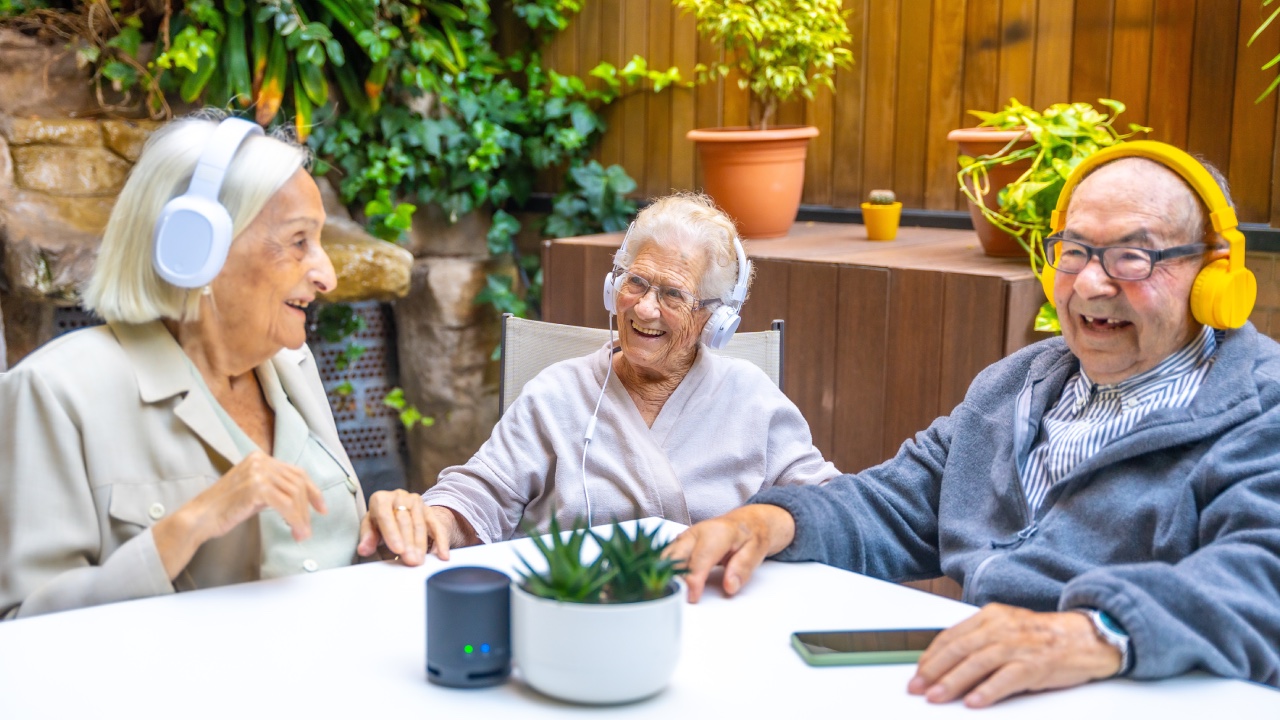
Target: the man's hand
pixel 740 540
pixel 1003 650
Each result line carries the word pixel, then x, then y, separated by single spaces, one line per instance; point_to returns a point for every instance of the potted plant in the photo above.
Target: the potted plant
pixel 1012 169
pixel 599 631
pixel 881 213
pixel 779 48
pixel 1014 163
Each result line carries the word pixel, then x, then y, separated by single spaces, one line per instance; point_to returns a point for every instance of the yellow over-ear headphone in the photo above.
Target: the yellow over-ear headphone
pixel 1225 290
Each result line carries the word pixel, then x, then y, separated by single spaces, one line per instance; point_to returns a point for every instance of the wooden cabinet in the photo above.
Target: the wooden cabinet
pixel 881 338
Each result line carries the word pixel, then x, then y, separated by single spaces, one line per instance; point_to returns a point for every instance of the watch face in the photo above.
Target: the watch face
pixel 1111 624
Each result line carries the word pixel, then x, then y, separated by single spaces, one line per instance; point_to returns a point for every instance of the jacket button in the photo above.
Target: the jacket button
pixel 351 484
pixel 156 511
pixel 310 565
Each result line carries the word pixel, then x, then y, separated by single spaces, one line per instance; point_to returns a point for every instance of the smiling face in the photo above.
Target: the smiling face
pixel 657 341
pixel 1121 328
pixel 274 269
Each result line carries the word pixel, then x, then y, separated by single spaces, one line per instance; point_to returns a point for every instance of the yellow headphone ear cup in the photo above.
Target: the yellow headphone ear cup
pixel 1047 274
pixel 1223 299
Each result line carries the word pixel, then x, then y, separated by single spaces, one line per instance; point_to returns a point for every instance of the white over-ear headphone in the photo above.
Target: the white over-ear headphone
pixel 724 320
pixel 193 233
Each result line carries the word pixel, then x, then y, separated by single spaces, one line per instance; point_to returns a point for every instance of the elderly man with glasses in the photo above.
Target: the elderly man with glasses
pixel 1111 498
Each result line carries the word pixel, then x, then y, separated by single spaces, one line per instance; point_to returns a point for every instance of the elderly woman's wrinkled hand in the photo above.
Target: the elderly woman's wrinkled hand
pixel 397 521
pixel 740 540
pixel 257 482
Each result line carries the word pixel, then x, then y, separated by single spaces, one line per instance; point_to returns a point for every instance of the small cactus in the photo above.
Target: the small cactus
pixel 882 197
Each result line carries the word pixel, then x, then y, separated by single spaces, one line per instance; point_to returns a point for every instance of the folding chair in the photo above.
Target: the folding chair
pixel 528 346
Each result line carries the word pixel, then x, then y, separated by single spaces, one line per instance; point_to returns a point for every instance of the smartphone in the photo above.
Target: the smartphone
pixel 863 647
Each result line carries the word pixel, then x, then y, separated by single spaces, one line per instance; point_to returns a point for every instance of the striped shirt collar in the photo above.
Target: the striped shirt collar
pixel 1191 356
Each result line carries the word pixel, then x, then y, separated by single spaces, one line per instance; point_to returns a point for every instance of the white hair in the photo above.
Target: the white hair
pixel 684 223
pixel 124 286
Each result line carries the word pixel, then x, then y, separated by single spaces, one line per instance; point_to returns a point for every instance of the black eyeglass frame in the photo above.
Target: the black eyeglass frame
pixel 698 304
pixel 1156 256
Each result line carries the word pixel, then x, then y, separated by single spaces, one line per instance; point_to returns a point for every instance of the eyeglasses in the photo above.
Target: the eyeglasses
pixel 1118 262
pixel 635 287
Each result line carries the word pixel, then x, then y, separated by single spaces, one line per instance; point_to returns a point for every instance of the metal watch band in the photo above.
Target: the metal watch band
pixel 1110 632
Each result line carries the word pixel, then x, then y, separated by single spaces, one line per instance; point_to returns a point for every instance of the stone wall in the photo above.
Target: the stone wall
pixel 445 343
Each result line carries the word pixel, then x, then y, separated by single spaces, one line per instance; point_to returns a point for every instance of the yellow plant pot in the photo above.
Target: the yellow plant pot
pixel 881 220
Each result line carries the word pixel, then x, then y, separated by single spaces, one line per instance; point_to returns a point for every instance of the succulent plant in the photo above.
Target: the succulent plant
pixel 628 569
pixel 881 197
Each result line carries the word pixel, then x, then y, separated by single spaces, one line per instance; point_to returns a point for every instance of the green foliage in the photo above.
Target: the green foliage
pixel 1273 61
pixel 410 416
pixel 424 108
pixel 629 568
pixel 1062 137
pixel 337 321
pixel 780 48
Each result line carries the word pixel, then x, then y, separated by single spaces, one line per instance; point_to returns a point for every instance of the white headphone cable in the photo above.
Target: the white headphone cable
pixel 591 424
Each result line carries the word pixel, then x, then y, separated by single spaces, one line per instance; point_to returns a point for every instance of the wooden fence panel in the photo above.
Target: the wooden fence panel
pixel 1180 66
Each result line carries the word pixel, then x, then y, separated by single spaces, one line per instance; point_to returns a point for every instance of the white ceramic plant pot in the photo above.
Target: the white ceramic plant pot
pixel 596 654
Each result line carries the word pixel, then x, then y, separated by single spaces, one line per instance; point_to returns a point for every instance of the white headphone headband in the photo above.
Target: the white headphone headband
pixel 230 134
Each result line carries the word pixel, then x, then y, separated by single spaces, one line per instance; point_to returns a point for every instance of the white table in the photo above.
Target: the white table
pixel 350 643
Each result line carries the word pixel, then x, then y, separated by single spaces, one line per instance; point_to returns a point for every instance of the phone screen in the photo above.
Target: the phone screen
pixel 863 647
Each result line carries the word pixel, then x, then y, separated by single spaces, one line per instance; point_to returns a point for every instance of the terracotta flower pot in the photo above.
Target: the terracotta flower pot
pixel 985 141
pixel 881 220
pixel 756 176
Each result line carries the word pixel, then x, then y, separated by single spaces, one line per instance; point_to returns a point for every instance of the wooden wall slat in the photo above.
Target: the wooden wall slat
pixel 767 300
pixel 1131 58
pixel 635 41
pixel 945 109
pixel 658 149
pixel 1252 125
pixel 878 132
pixel 817 168
pixel 1091 51
pixel 565 262
pixel 811 356
pixel 982 59
pixel 615 115
pixel 1169 95
pixel 861 373
pixel 1052 80
pixel 912 107
pixel 1017 49
pixel 972 334
pixel 684 112
pixel 1212 81
pixel 1024 300
pixel 596 262
pixel 846 167
pixel 914 351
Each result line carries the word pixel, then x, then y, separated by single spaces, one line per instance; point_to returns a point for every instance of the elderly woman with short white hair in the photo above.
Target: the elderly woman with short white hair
pixel 188 443
pixel 680 433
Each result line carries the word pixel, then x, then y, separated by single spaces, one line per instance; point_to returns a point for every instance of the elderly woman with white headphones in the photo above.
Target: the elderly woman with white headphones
pixel 188 443
pixel 672 431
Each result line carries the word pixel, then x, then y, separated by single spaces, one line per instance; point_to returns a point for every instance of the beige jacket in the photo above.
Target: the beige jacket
pixel 100 437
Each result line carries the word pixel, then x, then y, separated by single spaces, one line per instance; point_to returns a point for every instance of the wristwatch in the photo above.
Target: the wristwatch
pixel 1110 632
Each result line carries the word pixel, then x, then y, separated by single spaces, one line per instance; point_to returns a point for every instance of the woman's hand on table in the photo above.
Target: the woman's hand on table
pixel 740 540
pixel 257 482
pixel 408 528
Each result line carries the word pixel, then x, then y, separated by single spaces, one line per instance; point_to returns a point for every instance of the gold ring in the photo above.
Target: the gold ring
pixel 402 508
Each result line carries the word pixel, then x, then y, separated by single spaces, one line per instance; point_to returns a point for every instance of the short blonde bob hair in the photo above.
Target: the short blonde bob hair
pixel 685 224
pixel 125 287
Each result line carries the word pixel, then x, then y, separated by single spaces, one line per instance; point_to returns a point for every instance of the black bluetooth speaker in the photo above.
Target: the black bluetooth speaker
pixel 468 627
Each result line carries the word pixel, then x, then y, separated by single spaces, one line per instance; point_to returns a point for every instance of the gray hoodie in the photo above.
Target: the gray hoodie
pixel 1172 529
